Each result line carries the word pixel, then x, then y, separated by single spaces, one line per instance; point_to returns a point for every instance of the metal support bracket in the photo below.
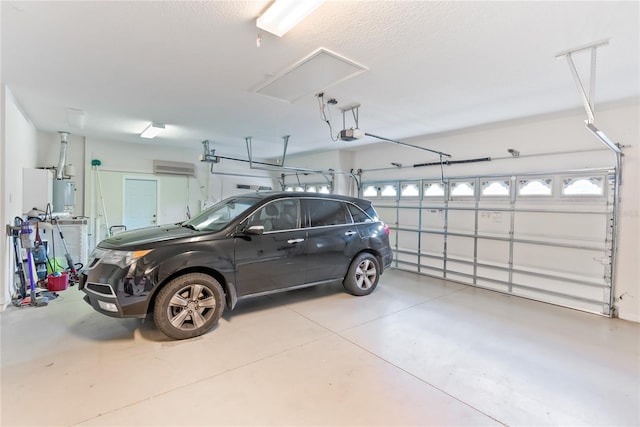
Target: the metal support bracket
pixel 248 141
pixel 587 98
pixel 355 111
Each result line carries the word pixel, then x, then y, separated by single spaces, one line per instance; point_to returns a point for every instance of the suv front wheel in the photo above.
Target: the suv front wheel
pixel 188 306
pixel 363 275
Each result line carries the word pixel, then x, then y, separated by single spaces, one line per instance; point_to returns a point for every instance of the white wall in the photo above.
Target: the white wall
pixel 18 151
pixel 175 192
pixel 533 137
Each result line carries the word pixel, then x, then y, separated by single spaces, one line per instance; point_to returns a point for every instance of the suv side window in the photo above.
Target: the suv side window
pixel 278 215
pixel 358 214
pixel 327 212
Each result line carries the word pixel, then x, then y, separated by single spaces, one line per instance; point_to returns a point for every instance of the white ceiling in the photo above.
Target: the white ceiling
pixel 194 66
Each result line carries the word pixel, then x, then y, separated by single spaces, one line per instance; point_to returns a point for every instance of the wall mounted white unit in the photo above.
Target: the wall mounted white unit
pixel 173 168
pixel 37 189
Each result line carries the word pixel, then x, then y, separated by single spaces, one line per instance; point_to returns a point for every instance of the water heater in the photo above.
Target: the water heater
pixel 64 196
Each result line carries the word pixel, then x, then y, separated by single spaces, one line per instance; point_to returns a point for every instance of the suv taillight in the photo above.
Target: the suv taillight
pixel 386 229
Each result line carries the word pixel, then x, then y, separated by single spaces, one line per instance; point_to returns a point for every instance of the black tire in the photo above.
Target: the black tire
pixel 188 306
pixel 363 275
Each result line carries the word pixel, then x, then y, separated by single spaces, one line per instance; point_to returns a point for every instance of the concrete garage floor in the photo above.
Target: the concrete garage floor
pixel 418 351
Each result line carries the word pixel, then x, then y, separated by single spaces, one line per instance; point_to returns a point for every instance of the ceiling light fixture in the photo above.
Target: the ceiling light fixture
pixel 283 15
pixel 152 130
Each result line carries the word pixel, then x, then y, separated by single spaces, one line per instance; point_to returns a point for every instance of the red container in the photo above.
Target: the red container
pixel 58 283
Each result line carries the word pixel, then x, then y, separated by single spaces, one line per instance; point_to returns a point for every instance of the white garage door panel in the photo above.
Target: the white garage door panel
pixel 432 244
pixel 566 287
pixel 409 217
pixel 460 247
pixel 388 215
pixel 492 278
pixel 432 265
pixel 534 237
pixel 494 223
pixel 493 252
pixel 461 221
pixel 585 264
pixel 585 303
pixel 585 227
pixel 433 219
pixel 408 240
pixel 410 261
pixel 459 266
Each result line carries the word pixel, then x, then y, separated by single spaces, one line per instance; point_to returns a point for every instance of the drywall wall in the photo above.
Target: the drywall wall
pixel 19 149
pixel 175 193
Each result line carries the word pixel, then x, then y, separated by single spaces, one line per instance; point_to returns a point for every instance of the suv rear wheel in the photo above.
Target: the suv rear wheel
pixel 188 306
pixel 363 275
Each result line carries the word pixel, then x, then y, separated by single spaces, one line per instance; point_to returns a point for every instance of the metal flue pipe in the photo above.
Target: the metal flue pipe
pixel 63 154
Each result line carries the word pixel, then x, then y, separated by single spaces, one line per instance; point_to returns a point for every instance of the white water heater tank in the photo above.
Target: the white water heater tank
pixel 64 196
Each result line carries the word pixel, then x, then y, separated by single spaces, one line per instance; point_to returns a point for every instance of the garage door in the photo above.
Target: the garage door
pixel 547 237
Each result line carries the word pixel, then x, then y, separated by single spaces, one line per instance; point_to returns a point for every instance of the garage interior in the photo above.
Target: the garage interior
pixel 498 140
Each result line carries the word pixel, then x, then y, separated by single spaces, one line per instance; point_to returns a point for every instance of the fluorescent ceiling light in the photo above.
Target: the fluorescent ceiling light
pixel 283 15
pixel 152 130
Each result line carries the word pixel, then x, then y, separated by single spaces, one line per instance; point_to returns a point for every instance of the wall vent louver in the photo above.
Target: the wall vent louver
pixel 173 168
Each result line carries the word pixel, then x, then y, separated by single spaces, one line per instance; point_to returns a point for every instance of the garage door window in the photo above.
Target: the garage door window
pixel 410 190
pixel 535 187
pixel 389 190
pixel 463 189
pixel 494 188
pixel 370 191
pixel 593 186
pixel 434 189
pixel 294 188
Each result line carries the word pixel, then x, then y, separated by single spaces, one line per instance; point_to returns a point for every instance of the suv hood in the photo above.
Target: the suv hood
pixel 147 236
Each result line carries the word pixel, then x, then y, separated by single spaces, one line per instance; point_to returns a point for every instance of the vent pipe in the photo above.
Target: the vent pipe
pixel 63 154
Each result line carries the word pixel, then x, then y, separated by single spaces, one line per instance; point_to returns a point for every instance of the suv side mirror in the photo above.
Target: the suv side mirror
pixel 254 230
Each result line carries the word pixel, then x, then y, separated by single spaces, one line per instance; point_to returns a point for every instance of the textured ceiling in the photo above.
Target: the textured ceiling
pixel 194 66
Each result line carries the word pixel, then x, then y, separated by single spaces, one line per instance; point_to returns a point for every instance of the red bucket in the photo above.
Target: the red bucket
pixel 58 283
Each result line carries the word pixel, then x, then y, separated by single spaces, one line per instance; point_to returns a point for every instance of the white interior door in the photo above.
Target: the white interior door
pixel 140 207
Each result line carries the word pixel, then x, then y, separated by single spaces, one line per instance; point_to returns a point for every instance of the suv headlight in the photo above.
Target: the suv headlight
pixel 122 258
pixel 94 257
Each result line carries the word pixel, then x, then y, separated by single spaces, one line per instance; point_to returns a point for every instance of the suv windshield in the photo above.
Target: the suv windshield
pixel 219 215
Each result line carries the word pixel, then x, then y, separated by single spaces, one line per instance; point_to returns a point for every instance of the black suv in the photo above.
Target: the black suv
pixel 245 246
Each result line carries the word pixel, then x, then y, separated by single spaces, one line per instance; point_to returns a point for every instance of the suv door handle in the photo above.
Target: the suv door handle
pixel 349 233
pixel 292 241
